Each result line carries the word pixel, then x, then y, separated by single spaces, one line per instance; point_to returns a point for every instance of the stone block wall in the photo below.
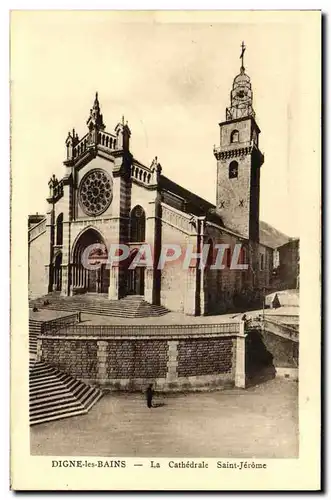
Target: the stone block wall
pixel 171 357
pixel 78 357
pixel 204 357
pixel 139 359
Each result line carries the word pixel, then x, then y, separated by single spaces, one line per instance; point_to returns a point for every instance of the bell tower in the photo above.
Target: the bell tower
pixel 239 160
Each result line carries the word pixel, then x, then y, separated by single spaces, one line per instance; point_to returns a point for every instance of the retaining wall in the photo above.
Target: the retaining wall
pixel 172 357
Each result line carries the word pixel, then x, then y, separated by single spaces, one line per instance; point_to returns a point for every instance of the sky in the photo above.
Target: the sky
pixel 171 77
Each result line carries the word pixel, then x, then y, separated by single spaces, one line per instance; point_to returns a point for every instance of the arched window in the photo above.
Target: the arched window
pixel 233 170
pixel 59 230
pixel 137 224
pixel 234 136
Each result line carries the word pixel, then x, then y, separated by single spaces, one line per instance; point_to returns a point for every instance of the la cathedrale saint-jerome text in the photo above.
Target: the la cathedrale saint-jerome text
pixel 153 464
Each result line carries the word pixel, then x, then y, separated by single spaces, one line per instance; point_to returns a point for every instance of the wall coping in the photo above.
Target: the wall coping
pixel 169 332
pixel 140 337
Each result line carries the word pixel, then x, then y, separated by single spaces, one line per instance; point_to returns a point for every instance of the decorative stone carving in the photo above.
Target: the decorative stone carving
pixel 95 192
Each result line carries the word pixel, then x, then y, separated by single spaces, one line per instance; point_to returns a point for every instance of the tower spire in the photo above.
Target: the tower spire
pixel 95 119
pixel 241 94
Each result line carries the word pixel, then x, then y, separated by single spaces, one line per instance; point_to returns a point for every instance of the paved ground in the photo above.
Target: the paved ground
pixel 171 318
pixel 260 422
pixel 47 314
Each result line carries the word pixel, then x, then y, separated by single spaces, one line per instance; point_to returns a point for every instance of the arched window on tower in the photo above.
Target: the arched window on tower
pixel 233 170
pixel 59 230
pixel 234 136
pixel 137 224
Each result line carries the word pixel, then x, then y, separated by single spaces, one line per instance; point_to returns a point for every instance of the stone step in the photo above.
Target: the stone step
pixel 57 409
pixel 55 394
pixel 40 373
pixel 48 384
pixel 69 381
pixel 41 369
pixel 48 418
pixel 65 401
pixel 46 391
pixel 128 307
pixel 92 399
pixel 44 395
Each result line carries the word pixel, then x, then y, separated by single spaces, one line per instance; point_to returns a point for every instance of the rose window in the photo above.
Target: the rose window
pixel 95 194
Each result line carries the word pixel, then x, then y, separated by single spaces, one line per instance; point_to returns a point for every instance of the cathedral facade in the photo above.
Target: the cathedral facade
pixel 107 197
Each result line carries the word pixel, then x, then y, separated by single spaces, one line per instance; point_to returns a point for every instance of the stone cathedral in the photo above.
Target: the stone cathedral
pixel 108 196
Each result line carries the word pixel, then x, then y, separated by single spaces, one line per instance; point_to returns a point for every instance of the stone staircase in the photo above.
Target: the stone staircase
pixel 54 394
pixel 34 331
pixel 132 306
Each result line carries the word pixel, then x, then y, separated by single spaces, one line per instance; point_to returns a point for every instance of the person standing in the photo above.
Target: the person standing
pixel 149 395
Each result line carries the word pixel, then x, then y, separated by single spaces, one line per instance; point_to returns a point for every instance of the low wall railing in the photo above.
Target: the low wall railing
pixel 282 330
pixel 58 324
pixel 150 331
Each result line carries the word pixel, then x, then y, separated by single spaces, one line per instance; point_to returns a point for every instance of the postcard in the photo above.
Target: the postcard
pixel 165 280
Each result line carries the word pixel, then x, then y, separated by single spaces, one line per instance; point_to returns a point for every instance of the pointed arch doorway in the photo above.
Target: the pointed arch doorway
pixel 89 268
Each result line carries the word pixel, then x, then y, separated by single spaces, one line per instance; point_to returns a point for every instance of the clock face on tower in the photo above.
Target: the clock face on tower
pixel 95 192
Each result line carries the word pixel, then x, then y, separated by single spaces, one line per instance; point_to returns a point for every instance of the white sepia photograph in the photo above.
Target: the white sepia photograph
pixel 160 167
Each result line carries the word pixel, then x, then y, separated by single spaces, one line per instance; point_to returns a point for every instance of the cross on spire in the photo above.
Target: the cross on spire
pixel 243 48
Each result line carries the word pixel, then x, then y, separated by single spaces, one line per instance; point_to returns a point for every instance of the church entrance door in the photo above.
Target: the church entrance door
pixel 92 281
pixel 89 271
pixel 136 281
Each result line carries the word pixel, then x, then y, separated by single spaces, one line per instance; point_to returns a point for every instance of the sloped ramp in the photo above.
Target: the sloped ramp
pixel 54 394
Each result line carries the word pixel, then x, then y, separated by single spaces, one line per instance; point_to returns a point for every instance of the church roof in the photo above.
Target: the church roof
pixel 197 204
pixel 269 235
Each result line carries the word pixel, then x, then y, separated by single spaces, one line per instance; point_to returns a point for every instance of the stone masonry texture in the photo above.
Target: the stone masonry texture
pixel 204 357
pixel 78 357
pixel 137 359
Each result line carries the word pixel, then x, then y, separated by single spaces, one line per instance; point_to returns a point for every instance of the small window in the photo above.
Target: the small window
pixel 137 224
pixel 233 170
pixel 234 136
pixel 59 229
